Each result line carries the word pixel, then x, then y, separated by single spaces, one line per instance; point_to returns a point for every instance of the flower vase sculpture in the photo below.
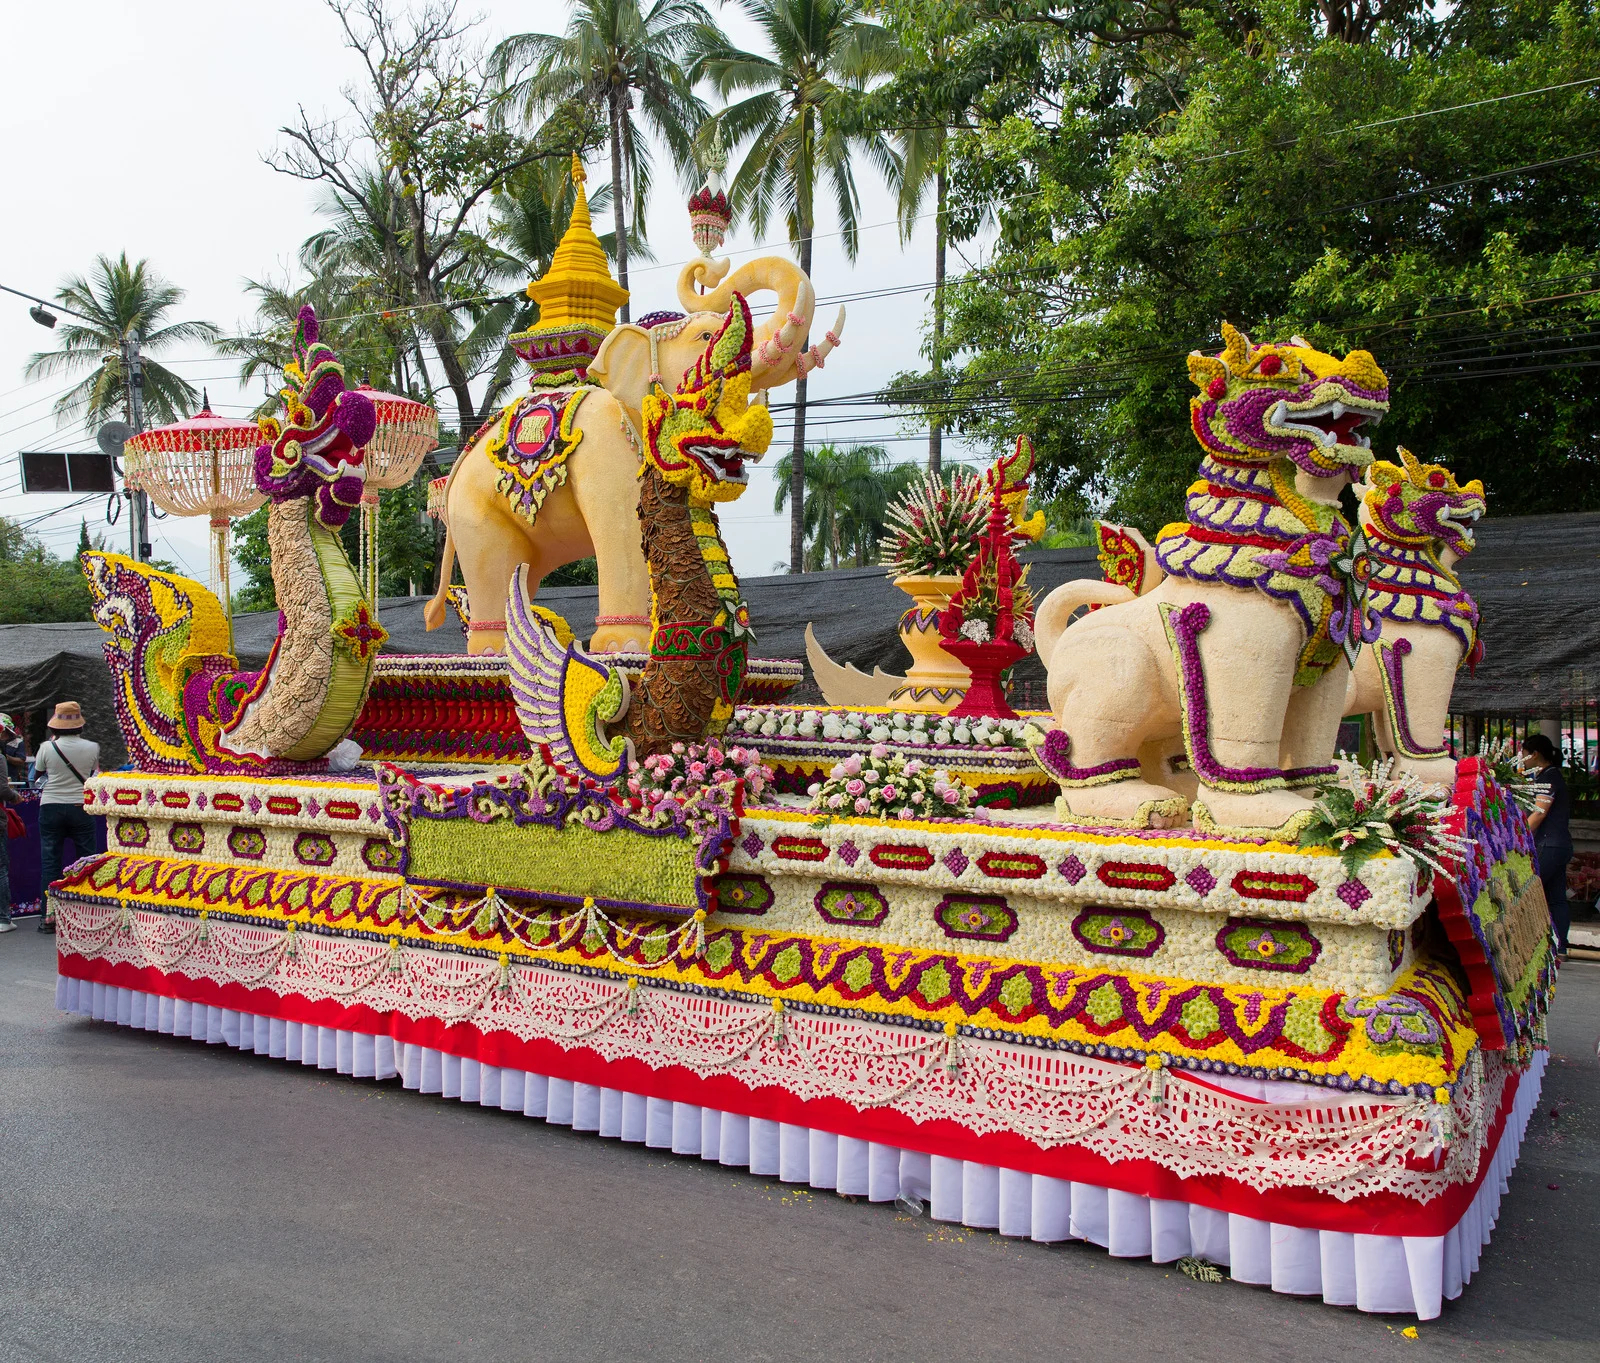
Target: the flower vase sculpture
pixel 936 679
pixel 988 624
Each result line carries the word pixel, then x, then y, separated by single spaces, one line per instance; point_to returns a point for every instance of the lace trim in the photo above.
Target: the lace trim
pixel 1345 1149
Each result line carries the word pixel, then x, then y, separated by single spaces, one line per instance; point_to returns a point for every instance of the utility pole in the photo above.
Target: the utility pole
pixel 139 505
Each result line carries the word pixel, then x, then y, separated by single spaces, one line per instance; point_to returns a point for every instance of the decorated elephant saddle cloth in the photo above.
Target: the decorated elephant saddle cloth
pixel 531 443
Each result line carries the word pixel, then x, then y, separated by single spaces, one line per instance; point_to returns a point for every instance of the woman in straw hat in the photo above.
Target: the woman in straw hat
pixel 62 764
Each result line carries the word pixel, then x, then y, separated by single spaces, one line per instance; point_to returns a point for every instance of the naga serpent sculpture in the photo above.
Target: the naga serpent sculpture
pixel 182 700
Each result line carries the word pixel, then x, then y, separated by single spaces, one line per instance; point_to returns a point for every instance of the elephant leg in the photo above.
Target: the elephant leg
pixel 489 558
pixel 605 486
pixel 1311 723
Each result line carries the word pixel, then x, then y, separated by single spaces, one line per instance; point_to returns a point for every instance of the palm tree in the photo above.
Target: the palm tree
pixel 611 51
pixel 122 299
pixel 937 104
pixel 848 494
pixel 801 119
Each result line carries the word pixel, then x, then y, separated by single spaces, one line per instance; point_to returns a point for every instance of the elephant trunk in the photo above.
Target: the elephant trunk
pixel 776 356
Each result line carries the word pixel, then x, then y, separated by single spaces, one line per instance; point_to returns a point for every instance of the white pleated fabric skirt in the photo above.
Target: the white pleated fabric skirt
pixel 1379 1273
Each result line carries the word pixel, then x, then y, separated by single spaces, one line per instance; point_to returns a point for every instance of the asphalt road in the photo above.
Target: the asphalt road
pixel 164 1200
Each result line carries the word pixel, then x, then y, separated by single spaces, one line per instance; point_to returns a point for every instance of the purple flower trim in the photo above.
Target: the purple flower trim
pixel 1055 756
pixel 1391 658
pixel 1184 625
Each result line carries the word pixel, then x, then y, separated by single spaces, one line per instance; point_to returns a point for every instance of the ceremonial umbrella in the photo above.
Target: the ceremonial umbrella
pixel 202 466
pixel 407 430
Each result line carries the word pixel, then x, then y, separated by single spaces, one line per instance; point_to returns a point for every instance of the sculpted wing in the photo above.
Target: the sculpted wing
pixel 565 699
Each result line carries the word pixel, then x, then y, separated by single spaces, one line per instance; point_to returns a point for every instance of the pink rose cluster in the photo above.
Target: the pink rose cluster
pixel 696 775
pixel 876 785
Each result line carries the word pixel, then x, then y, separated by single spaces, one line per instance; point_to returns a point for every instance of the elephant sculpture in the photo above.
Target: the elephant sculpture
pixel 555 477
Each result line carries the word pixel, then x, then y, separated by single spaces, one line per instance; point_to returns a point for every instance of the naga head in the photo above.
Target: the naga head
pixel 1258 403
pixel 318 450
pixel 700 436
pixel 1415 503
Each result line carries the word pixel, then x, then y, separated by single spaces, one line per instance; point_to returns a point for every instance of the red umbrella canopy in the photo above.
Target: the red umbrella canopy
pixel 407 430
pixel 203 465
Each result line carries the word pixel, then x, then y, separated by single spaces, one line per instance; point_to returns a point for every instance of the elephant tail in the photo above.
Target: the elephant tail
pixel 433 612
pixel 1056 613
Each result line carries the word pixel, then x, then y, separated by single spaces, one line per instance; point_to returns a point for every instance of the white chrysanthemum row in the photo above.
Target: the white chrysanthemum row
pixel 900 727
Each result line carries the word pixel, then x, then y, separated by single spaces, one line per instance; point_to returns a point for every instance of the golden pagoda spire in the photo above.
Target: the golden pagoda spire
pixel 577 289
pixel 577 297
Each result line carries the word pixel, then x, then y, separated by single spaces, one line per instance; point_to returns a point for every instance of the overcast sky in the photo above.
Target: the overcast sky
pixel 142 128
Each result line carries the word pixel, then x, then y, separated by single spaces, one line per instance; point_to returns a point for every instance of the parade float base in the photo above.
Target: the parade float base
pixel 1167 1045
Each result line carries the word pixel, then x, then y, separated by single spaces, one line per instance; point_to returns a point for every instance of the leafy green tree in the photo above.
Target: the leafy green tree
pixel 36 587
pixel 614 54
pixel 1425 189
pixel 122 298
pixel 425 115
pixel 802 116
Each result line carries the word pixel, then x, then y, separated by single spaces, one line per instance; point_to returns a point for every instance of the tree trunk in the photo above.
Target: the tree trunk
pixel 797 474
pixel 619 212
pixel 936 424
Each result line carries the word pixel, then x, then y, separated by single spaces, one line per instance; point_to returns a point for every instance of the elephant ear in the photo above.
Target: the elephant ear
pixel 622 366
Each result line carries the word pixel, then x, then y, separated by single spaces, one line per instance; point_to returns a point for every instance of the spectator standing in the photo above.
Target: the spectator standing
pixel 8 796
pixel 64 761
pixel 1552 834
pixel 15 752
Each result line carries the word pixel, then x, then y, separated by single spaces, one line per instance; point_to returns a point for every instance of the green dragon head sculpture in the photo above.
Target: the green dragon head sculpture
pixel 1413 503
pixel 1258 403
pixel 700 436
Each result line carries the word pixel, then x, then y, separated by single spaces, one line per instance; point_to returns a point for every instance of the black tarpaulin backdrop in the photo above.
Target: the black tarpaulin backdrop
pixel 1536 579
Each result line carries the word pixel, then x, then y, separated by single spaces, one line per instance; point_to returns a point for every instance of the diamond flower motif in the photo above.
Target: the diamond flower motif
pixel 1201 881
pixel 955 861
pixel 848 852
pixel 312 807
pixel 255 804
pixel 200 800
pixel 1072 870
pixel 752 844
pixel 1354 893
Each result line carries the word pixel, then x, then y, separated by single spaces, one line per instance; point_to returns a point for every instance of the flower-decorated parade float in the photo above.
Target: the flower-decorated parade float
pixel 1212 997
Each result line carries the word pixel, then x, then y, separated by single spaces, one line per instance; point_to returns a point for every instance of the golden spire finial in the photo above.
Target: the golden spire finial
pixel 577 293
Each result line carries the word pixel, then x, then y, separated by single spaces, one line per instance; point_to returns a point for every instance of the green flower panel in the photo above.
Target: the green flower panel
pixel 1118 932
pixel 1255 944
pixel 851 904
pixel 976 917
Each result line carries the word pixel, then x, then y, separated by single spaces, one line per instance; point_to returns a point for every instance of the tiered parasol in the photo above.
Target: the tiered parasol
pixel 407 430
pixel 202 466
